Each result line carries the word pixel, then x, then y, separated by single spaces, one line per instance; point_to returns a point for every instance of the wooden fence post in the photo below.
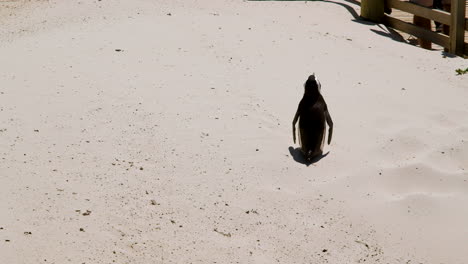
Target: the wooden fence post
pixel 373 10
pixel 457 27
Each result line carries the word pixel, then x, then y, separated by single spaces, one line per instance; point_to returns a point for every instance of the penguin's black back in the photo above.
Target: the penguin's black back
pixel 312 123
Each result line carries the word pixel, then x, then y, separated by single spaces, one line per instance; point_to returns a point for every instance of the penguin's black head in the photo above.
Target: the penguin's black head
pixel 311 86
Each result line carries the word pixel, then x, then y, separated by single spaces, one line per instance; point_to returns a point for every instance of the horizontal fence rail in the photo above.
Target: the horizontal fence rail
pixel 453 41
pixel 432 14
pixel 437 38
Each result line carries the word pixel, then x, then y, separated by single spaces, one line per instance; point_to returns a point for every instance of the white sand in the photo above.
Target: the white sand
pixel 159 141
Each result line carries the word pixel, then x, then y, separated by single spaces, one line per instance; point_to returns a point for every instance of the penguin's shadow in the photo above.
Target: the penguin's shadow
pixel 297 155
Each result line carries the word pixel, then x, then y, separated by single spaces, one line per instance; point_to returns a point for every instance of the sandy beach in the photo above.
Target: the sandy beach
pixel 159 131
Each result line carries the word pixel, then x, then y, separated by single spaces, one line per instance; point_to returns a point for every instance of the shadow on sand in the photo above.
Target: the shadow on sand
pixel 296 153
pixel 386 31
pixel 389 33
pixel 349 8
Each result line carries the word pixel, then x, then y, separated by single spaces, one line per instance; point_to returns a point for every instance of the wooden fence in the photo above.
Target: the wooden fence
pixel 454 42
